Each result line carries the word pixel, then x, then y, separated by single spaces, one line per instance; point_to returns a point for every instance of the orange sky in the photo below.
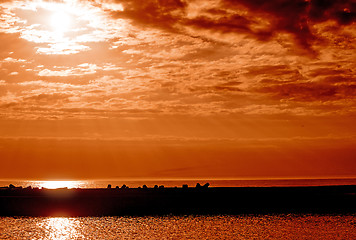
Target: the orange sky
pixel 177 89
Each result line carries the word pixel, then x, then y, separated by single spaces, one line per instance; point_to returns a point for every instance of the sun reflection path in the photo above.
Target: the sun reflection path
pixel 58 228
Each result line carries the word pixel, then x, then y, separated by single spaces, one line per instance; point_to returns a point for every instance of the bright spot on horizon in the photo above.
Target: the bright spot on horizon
pixel 59 184
pixel 60 21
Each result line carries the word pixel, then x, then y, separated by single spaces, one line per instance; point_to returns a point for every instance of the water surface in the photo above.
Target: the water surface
pixel 182 227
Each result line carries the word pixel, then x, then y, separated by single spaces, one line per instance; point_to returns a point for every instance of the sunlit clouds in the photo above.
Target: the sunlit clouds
pixel 242 69
pixel 193 50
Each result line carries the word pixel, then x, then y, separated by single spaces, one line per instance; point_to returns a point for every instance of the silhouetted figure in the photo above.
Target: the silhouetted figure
pixel 11 186
pixel 123 186
pixel 144 186
pixel 185 186
pixel 161 186
pixel 198 185
pixel 109 186
pixel 117 187
pixel 155 187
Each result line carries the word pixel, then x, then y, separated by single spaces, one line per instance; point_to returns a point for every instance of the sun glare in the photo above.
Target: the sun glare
pixel 60 184
pixel 60 21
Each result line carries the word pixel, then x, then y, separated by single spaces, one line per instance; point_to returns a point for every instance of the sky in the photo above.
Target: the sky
pixel 177 89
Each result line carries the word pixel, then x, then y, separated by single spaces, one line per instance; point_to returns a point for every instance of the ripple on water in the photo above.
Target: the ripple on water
pixel 182 227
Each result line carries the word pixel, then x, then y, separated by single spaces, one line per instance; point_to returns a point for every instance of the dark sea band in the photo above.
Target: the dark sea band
pixel 16 201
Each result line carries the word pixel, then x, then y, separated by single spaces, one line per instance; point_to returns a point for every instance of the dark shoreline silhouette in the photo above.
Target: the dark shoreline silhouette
pixel 17 201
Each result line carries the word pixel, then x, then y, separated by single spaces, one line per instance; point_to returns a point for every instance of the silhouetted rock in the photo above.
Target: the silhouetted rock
pixel 161 186
pixel 11 186
pixel 155 187
pixel 206 185
pixel 198 185
pixel 185 186
pixel 144 186
pixel 109 185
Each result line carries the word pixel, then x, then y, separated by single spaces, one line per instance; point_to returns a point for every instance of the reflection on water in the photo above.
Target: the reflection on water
pixel 58 228
pixel 279 226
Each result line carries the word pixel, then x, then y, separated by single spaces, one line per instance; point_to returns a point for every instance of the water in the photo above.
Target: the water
pixel 277 226
pixel 179 183
pixel 182 227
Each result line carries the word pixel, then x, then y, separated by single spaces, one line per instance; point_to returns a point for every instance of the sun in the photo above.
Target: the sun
pixel 59 184
pixel 60 21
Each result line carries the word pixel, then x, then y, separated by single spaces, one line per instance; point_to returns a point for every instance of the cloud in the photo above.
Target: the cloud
pixel 13 60
pixel 182 57
pixel 160 14
pixel 257 19
pixel 65 48
pixel 297 16
pixel 46 99
pixel 81 69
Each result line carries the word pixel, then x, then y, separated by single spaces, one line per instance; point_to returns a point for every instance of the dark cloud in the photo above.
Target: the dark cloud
pixel 325 71
pixel 344 11
pixel 152 13
pixel 275 70
pixel 231 86
pixel 218 88
pixel 227 24
pixel 310 91
pixel 295 16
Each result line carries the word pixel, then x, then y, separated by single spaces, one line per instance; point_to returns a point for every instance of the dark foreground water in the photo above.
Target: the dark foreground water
pixel 182 227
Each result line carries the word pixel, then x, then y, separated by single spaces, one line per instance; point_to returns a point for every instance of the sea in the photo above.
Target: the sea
pixel 244 226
